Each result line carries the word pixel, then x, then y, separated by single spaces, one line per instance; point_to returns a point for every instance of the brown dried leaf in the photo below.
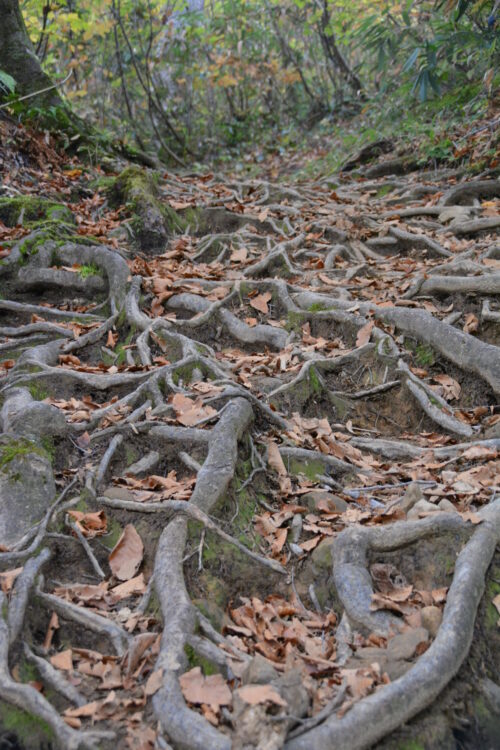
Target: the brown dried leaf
pixel 154 682
pixel 7 579
pixel 135 585
pixel 364 333
pixel 63 660
pixel 450 387
pixel 211 690
pixel 126 557
pixel 190 412
pixel 260 302
pixel 274 459
pixel 90 524
pixel 88 709
pixel 255 694
pixel 471 323
pixel 52 627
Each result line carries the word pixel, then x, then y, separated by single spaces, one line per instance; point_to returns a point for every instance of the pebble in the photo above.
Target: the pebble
pixel 431 619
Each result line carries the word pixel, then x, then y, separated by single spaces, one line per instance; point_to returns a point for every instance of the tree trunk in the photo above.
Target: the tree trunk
pixel 18 57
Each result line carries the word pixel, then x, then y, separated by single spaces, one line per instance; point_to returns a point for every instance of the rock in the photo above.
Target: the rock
pixel 396 669
pixel 255 728
pixel 296 527
pixel 404 645
pixel 452 213
pixel 423 506
pixel 446 505
pixel 27 487
pixel 22 415
pixel 492 432
pixel 145 464
pixel 119 493
pixel 267 384
pixel 322 555
pixel 334 503
pixel 431 619
pixel 412 496
pixel 290 686
pixel 259 671
pixel 368 655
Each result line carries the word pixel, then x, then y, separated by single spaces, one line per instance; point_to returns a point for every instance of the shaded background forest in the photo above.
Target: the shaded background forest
pixel 190 80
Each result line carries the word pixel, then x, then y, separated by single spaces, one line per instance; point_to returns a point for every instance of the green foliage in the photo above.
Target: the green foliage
pixel 7 83
pixel 424 356
pixel 194 82
pixel 207 667
pixel 89 270
pixel 18 447
pixel 38 391
pixel 27 728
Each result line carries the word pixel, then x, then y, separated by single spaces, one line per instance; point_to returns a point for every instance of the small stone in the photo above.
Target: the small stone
pixel 119 493
pixel 396 669
pixel 124 613
pixel 423 506
pixel 259 671
pixel 452 213
pixel 412 496
pixel 446 505
pixel 431 619
pixel 492 432
pixel 368 655
pixel 403 646
pixel 290 686
pixel 332 502
pixel 296 527
pixel 267 384
pixel 322 555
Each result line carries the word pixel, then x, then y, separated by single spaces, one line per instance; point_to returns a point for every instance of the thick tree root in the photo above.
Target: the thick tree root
pixel 376 716
pixel 186 728
pixel 316 310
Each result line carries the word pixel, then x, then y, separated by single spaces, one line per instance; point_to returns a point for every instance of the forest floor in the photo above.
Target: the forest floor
pixel 249 453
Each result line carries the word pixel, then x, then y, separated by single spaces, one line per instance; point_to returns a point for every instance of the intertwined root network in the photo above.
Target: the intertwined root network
pixel 354 329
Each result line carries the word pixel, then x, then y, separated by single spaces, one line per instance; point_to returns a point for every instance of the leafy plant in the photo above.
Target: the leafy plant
pixel 88 270
pixel 7 83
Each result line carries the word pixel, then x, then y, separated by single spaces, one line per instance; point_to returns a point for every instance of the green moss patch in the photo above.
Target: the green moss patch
pixel 13 448
pixel 31 731
pixel 28 209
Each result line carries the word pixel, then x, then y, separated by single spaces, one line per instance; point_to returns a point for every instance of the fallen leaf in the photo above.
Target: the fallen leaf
pixel 211 690
pixel 255 694
pixel 63 660
pixel 135 585
pixel 450 387
pixel 471 323
pixel 90 524
pixel 154 682
pixel 260 302
pixel 7 579
pixel 51 629
pixel 189 412
pixel 275 460
pixel 238 256
pixel 126 556
pixel 88 709
pixel 364 333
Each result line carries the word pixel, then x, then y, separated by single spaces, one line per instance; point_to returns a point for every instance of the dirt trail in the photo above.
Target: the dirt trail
pixel 232 384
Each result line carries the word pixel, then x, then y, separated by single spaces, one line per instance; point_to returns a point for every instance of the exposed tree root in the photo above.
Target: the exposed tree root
pixel 377 715
pixel 304 366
